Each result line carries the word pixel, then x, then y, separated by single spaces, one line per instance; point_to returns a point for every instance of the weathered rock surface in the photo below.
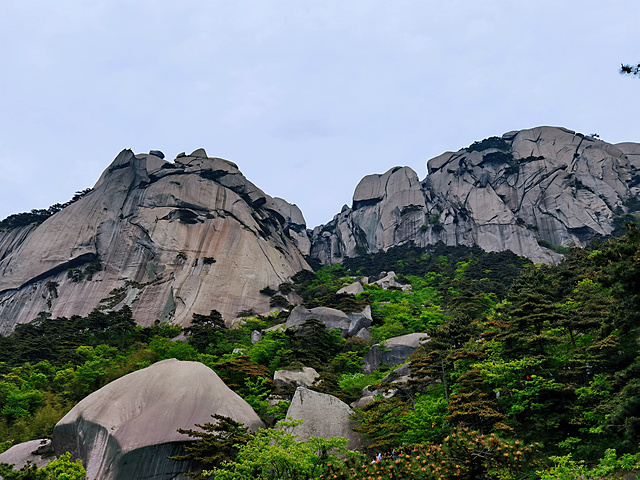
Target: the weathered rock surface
pixel 167 239
pixel 388 280
pixel 348 323
pixel 395 351
pixel 324 416
pixel 545 184
pixel 285 379
pixel 351 289
pixel 37 452
pixel 128 428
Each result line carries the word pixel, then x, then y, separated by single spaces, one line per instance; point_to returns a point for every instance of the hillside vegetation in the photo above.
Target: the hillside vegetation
pixel 531 370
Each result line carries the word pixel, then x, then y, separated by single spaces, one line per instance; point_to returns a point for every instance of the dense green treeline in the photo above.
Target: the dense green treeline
pixel 541 360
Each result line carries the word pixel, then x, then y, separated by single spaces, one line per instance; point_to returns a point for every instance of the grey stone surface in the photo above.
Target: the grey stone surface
pixel 127 429
pixel 389 281
pixel 364 333
pixel 351 289
pixel 543 184
pixel 256 336
pixel 348 324
pixel 324 416
pixel 395 351
pixel 154 226
pixel 295 378
pixel 38 452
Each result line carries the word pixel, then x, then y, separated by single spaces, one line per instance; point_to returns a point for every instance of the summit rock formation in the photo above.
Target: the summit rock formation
pixel 167 239
pixel 527 191
pixel 170 239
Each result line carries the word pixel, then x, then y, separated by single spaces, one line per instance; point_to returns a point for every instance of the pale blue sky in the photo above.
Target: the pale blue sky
pixel 306 96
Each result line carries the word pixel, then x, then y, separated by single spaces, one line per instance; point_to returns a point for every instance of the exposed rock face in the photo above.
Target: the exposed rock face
pixel 351 289
pixel 324 416
pixel 348 323
pixel 544 184
pixel 128 428
pixel 285 379
pixel 36 452
pixel 395 351
pixel 168 239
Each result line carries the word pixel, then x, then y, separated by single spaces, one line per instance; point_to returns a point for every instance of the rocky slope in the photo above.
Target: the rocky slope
pixel 524 191
pixel 168 239
pixel 128 428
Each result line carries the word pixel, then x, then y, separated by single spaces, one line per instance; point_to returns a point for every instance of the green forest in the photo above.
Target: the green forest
pixel 531 371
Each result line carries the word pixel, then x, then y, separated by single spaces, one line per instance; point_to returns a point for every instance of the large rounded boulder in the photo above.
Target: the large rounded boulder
pixel 128 428
pixel 323 415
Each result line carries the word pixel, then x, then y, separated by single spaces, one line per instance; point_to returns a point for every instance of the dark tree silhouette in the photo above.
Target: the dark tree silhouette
pixel 630 69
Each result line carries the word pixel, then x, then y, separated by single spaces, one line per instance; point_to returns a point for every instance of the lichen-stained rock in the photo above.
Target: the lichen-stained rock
pixel 524 191
pixel 127 429
pixel 168 239
pixel 324 416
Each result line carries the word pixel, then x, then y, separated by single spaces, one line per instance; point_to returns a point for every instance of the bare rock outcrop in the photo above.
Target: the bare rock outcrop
pixel 324 416
pixel 36 452
pixel 286 379
pixel 167 239
pixel 528 191
pixel 393 351
pixel 128 428
pixel 349 324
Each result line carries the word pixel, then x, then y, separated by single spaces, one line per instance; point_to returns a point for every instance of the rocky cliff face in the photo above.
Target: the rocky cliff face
pixel 167 239
pixel 525 191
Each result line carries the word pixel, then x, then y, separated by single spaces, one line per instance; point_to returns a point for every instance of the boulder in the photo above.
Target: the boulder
pixel 394 351
pixel 364 333
pixel 291 379
pixel 331 318
pixel 351 289
pixel 128 428
pixel 256 336
pixel 389 281
pixel 37 452
pixel 324 416
pixel 399 375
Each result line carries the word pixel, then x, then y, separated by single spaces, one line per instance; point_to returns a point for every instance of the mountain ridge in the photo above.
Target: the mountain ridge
pixel 170 239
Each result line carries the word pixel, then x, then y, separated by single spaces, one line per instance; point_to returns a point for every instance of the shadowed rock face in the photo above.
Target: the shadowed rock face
pixel 127 429
pixel 171 239
pixel 545 184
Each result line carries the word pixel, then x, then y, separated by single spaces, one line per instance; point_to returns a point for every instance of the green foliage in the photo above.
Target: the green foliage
pixel 609 467
pixel 491 142
pixel 203 329
pixel 276 454
pixel 59 469
pixel 215 443
pixel 464 455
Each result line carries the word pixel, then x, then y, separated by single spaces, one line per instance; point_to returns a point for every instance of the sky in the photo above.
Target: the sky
pixel 305 96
